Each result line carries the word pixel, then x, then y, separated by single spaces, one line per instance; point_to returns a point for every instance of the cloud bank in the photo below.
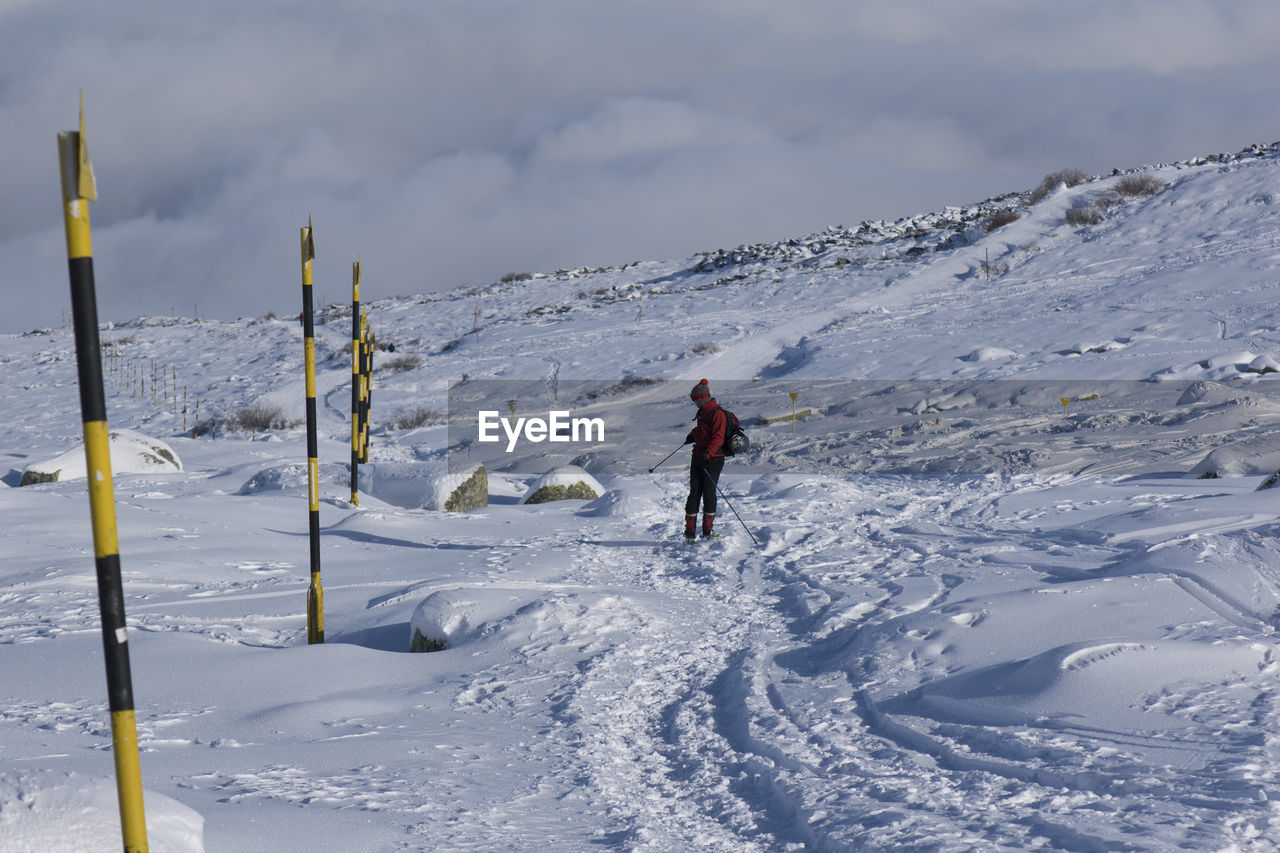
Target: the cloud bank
pixel 448 143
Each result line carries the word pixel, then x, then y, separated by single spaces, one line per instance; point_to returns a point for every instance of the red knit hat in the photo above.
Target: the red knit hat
pixel 700 392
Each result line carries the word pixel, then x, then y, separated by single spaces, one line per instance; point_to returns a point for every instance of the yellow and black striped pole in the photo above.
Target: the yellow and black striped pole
pixel 356 379
pixel 78 189
pixel 315 593
pixel 370 347
pixel 366 371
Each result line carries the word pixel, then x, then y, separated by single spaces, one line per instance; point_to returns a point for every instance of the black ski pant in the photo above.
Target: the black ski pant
pixel 704 474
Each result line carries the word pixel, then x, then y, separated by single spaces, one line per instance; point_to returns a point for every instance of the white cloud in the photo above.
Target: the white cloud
pixel 625 130
pixel 1160 36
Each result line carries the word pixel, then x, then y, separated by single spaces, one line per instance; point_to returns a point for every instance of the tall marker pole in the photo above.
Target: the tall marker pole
pixel 78 189
pixel 315 593
pixel 366 354
pixel 356 379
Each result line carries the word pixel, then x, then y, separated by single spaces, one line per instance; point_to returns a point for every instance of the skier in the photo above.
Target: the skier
pixel 707 438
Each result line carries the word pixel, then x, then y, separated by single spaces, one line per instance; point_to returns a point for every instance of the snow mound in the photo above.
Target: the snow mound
pixel 982 354
pixel 634 500
pixel 514 617
pixel 451 616
pixel 404 484
pixel 86 817
pixel 291 478
pixel 1202 391
pixel 1085 347
pixel 1111 679
pixel 568 482
pixel 774 484
pixel 1226 366
pixel 131 453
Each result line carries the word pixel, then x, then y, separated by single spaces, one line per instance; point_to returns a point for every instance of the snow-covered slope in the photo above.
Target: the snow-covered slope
pixel 978 598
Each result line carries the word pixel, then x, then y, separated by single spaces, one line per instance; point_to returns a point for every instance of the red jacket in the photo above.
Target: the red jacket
pixel 708 435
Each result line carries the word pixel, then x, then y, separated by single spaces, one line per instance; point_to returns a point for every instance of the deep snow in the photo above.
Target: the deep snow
pixel 978 618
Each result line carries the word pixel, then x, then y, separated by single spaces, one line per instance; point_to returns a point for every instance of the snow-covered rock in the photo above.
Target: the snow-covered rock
pixel 292 478
pixel 1252 457
pixel 131 453
pixel 448 617
pixel 1263 364
pixel 460 491
pixel 568 482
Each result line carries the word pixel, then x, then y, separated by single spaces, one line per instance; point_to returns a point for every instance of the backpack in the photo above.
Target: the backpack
pixel 735 438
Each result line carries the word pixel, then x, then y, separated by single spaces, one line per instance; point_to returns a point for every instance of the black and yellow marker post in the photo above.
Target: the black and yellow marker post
pixel 368 394
pixel 366 370
pixel 371 346
pixel 78 189
pixel 356 379
pixel 315 592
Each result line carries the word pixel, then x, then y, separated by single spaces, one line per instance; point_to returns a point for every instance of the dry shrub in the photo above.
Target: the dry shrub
pixel 402 363
pixel 1107 201
pixel 1001 218
pixel 995 269
pixel 627 385
pixel 259 417
pixel 1070 177
pixel 1139 186
pixel 414 418
pixel 1088 215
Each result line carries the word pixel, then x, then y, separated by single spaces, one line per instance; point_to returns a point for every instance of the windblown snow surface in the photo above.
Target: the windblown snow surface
pixel 980 598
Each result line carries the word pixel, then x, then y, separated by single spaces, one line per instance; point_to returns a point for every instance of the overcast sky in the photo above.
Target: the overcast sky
pixel 448 143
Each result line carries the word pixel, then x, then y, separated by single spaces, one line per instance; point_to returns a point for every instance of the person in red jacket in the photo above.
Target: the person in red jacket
pixel 707 438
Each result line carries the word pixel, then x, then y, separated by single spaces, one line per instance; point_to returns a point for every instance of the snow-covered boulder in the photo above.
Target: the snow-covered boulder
pixel 131 453
pixel 1263 364
pixel 568 482
pixel 292 478
pixel 459 492
pixel 945 403
pixel 505 617
pixel 1253 457
pixel 448 617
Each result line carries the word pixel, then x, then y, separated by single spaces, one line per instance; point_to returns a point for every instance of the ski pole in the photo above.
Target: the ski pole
pixel 731 509
pixel 665 458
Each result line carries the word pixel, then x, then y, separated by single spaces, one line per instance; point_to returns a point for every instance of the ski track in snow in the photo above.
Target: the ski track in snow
pixel 755 725
pixel 717 716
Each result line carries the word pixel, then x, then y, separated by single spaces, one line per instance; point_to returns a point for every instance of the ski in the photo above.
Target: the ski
pixel 714 538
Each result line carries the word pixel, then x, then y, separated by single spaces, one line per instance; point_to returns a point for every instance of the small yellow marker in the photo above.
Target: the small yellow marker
pixel 1064 401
